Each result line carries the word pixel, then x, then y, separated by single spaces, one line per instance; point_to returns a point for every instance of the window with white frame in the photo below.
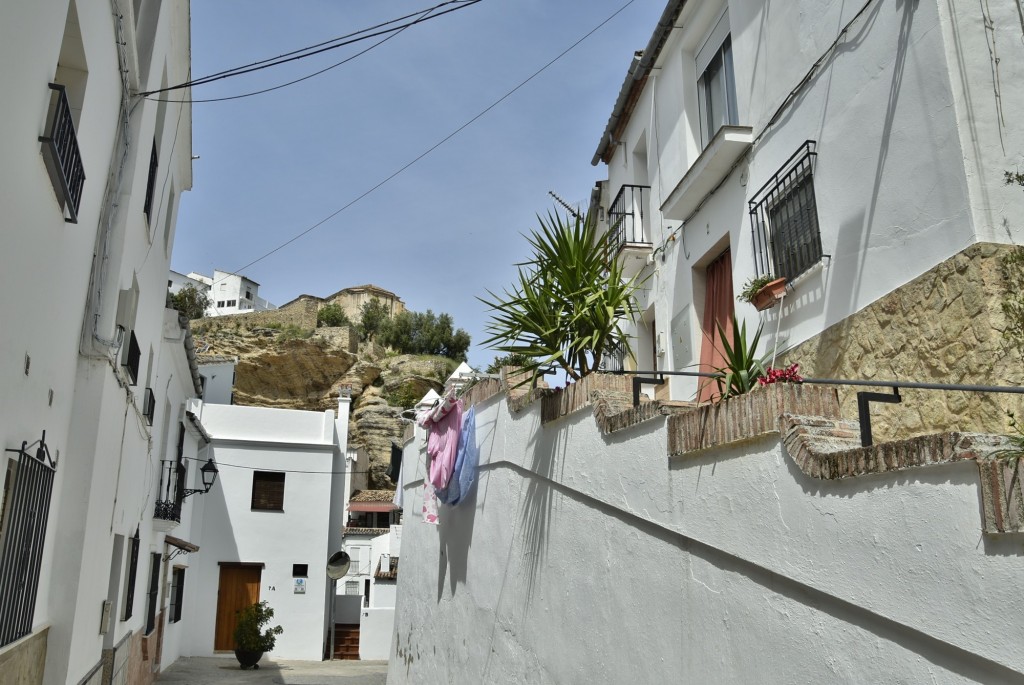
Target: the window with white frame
pixel 716 82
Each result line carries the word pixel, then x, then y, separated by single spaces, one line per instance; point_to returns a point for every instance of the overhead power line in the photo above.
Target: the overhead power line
pixel 312 50
pixel 441 142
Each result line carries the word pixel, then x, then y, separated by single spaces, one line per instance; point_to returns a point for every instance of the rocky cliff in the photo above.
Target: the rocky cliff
pixel 293 368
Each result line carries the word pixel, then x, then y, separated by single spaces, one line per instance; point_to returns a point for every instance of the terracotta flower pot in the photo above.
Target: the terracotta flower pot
pixel 767 296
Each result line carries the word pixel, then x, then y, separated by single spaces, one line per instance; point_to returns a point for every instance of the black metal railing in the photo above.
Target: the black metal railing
pixel 172 491
pixel 626 218
pixel 21 555
pixel 614 357
pixel 132 358
pixel 63 156
pixel 784 218
pixel 864 398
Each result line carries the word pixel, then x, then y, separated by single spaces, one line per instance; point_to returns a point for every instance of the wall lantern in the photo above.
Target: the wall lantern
pixel 209 472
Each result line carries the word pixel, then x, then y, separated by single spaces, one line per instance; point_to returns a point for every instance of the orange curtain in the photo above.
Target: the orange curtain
pixel 718 309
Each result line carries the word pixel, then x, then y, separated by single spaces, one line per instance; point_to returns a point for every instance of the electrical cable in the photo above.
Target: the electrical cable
pixel 263 468
pixel 441 142
pixel 422 16
pixel 233 71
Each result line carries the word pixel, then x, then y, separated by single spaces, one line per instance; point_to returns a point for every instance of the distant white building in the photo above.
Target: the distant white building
pixel 229 293
pixel 365 602
pixel 217 372
pixel 269 527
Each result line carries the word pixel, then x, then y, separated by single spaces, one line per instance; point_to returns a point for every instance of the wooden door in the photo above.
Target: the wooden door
pixel 718 311
pixel 239 587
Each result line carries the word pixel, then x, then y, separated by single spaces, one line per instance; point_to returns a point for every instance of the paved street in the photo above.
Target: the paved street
pixel 223 670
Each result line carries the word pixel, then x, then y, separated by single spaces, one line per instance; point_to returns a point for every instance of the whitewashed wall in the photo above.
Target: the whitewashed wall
pixel 910 119
pixel 247 439
pixel 51 263
pixel 220 381
pixel 587 558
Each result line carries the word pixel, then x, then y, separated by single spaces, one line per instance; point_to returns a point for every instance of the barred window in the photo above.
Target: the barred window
pixel 784 218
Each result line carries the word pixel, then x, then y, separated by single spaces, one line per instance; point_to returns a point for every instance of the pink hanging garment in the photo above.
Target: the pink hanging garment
pixel 443 445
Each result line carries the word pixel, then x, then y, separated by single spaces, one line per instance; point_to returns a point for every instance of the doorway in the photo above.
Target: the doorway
pixel 718 311
pixel 239 587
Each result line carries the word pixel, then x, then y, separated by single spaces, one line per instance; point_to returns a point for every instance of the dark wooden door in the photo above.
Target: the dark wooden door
pixel 718 310
pixel 239 587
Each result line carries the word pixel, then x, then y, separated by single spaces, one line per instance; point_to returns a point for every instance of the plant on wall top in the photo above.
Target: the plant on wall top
pixel 569 302
pixel 790 374
pixel 742 367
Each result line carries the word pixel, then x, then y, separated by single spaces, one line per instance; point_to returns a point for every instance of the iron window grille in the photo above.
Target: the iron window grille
pixel 132 357
pixel 150 184
pixel 149 405
pixel 784 218
pixel 29 487
pixel 62 156
pixel 626 217
pixel 133 569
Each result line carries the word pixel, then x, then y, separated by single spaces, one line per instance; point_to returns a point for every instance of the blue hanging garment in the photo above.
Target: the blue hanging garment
pixel 466 462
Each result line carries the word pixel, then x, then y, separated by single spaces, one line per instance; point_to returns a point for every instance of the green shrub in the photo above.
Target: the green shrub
pixel 249 635
pixel 332 315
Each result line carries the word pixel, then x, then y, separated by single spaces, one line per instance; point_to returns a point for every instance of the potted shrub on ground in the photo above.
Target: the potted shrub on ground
pixel 763 291
pixel 251 640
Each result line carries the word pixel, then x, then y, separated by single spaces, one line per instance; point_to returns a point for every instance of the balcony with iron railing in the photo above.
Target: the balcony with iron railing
pixel 167 512
pixel 629 237
pixel 62 156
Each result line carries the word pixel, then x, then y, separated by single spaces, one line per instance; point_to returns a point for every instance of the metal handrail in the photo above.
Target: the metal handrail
pixel 863 398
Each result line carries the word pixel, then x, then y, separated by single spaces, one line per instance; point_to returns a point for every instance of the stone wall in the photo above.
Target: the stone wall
pixel 301 313
pixel 22 662
pixel 943 327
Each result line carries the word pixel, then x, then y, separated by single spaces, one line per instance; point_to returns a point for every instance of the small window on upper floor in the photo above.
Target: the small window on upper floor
pixel 147 208
pixel 716 82
pixel 267 491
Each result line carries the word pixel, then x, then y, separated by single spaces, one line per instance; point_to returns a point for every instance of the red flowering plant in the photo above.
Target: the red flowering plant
pixel 787 375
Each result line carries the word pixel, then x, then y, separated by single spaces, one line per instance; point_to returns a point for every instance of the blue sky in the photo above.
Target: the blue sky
pixel 450 226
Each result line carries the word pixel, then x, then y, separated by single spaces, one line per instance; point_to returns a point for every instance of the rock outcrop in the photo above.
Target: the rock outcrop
pixel 291 368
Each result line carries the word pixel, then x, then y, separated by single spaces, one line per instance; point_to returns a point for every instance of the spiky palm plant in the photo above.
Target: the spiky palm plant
pixel 742 365
pixel 569 302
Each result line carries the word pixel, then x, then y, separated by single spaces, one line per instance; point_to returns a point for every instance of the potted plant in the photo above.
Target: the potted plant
pixel 251 640
pixel 763 291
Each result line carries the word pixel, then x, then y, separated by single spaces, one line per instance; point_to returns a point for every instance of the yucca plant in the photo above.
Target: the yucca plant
pixel 742 365
pixel 569 302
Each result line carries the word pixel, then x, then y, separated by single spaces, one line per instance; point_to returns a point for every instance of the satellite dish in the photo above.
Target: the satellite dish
pixel 337 565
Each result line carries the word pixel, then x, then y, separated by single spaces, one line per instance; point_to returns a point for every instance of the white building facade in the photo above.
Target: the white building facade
pixel 90 182
pixel 270 526
pixel 848 149
pixel 229 293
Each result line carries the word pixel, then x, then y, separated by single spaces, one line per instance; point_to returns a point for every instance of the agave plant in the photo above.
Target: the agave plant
pixel 742 365
pixel 569 303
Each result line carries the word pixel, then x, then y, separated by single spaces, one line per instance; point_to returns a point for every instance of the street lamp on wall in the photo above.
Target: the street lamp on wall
pixel 209 471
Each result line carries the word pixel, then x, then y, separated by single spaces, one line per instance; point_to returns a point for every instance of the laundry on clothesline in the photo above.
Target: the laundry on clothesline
pixel 466 462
